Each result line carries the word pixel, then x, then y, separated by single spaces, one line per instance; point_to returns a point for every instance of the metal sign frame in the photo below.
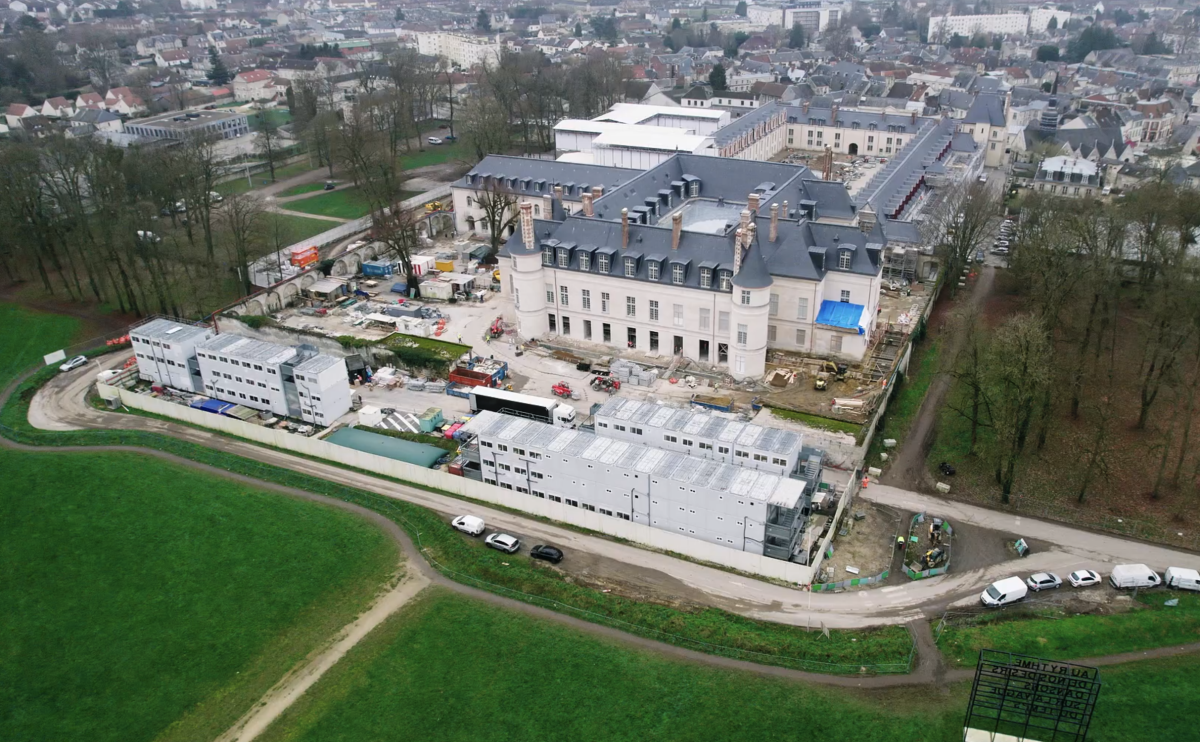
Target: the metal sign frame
pixel 1031 698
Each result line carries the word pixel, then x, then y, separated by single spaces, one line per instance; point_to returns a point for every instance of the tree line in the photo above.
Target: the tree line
pixel 1107 333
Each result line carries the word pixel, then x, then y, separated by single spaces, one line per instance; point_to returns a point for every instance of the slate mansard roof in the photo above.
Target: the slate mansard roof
pixel 804 248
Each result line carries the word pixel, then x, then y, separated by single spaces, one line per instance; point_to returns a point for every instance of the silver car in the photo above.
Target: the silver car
pixel 74 363
pixel 503 542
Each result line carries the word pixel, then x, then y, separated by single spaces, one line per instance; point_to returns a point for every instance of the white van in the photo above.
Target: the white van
pixel 1004 592
pixel 1181 578
pixel 1129 576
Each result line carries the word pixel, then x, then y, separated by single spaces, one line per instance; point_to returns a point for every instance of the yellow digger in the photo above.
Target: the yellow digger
pixel 433 206
pixel 829 370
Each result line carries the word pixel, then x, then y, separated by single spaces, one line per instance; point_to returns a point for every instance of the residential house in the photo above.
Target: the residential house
pixel 254 85
pixel 16 112
pixel 123 101
pixel 171 57
pixel 99 119
pixel 89 100
pixel 57 107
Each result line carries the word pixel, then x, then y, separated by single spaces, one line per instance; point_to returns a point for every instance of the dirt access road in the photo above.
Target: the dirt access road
pixel 61 406
pixel 909 470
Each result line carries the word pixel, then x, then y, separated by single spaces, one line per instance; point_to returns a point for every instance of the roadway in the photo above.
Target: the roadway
pixel 61 405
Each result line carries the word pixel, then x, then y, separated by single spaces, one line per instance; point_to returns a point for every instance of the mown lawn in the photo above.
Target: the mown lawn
pixel 241 184
pixel 434 155
pixel 302 189
pixel 348 203
pixel 1051 634
pixel 135 594
pixel 26 336
pixel 453 668
pixel 297 228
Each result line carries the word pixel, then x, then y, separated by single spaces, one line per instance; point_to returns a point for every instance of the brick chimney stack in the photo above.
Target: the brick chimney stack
pixel 752 201
pixel 737 250
pixel 587 204
pixel 527 225
pixel 774 222
pixel 676 229
pixel 597 191
pixel 624 228
pixel 558 193
pixel 786 214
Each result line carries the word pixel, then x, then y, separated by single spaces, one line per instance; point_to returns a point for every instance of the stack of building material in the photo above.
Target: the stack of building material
pixel 435 387
pixel 416 385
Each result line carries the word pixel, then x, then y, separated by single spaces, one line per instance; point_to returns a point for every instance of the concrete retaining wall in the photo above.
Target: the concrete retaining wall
pixel 461 486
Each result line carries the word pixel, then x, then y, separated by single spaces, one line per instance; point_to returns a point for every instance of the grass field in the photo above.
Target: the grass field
pixel 903 407
pixel 1052 635
pixel 450 668
pixel 348 203
pixel 434 155
pixel 260 180
pixel 135 594
pixel 277 116
pixel 816 421
pixel 26 336
pixel 297 228
pixel 302 189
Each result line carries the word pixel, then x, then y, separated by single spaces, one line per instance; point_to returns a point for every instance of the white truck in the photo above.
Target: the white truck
pixel 522 405
pixel 1129 576
pixel 1182 578
pixel 1004 592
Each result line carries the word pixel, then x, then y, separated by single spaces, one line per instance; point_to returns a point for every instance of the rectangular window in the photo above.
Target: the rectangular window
pixel 602 263
pixel 604 302
pixel 677 274
pixel 774 305
pixel 553 322
pixel 549 293
pixel 630 267
pixel 741 335
pixel 845 296
pixel 739 364
pixel 585 261
pixel 563 296
pixel 586 295
pixel 722 321
pixel 653 341
pixel 547 256
pixel 705 318
pixel 771 333
pixel 844 258
pixel 802 309
pixel 745 297
pixel 564 258
pixel 677 314
pixel 802 338
pixel 706 278
pixel 835 344
pixel 726 277
pixel 653 311
pixel 652 270
pixel 630 306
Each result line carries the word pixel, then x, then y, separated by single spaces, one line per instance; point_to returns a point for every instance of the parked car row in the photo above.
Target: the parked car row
pixel 474 526
pixel 1123 577
pixel 1003 237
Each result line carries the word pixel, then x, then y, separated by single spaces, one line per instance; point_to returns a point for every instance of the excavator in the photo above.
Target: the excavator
pixel 829 370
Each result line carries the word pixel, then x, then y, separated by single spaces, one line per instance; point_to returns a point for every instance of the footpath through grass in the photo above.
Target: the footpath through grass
pixel 451 668
pixel 466 560
pixel 1050 633
pixel 135 594
pixel 906 400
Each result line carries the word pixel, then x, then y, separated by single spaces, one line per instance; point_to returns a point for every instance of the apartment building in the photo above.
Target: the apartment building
pixel 166 353
pixel 286 381
pixel 987 123
pixel 709 258
pixel 461 49
pixel 700 496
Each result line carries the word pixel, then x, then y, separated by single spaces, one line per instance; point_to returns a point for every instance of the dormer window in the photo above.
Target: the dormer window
pixel 547 256
pixel 677 275
pixel 585 261
pixel 630 267
pixel 564 257
pixel 602 263
pixel 706 278
pixel 844 258
pixel 651 270
pixel 725 282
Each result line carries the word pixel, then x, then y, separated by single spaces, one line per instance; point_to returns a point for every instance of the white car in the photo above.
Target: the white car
pixel 503 542
pixel 434 140
pixel 74 363
pixel 468 524
pixel 983 178
pixel 1043 581
pixel 1083 578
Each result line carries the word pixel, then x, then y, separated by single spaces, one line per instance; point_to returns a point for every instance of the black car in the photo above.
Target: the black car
pixel 551 554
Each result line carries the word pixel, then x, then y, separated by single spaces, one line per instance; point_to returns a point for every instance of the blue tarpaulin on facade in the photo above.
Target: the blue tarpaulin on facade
pixel 213 405
pixel 841 314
